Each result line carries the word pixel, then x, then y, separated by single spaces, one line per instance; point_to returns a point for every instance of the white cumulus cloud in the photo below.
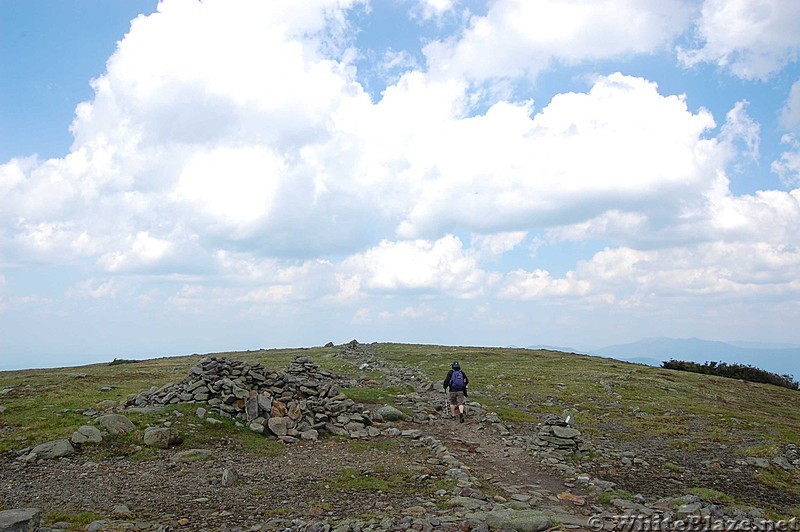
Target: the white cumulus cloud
pixel 753 39
pixel 523 37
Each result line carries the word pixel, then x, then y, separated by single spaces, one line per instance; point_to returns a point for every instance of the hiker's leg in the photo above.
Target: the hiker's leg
pixel 453 402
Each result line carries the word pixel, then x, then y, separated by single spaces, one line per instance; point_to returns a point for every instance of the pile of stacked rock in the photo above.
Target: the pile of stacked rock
pixel 556 434
pixel 290 404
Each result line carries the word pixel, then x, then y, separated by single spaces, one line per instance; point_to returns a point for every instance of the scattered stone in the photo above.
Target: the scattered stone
pixel 20 519
pixel 200 412
pixel 116 424
pixel 2 409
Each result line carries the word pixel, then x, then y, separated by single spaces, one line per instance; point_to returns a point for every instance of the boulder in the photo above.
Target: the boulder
pixel 161 437
pixel 86 434
pixel 53 449
pixel 22 519
pixel 390 413
pixel 116 424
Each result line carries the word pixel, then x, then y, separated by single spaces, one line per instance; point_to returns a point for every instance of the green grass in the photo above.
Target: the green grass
pixel 376 395
pixel 711 495
pixel 624 402
pixel 779 479
pixel 396 480
pixel 759 451
pixel 607 496
pixel 78 520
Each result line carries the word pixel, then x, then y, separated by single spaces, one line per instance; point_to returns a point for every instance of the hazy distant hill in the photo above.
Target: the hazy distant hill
pixel 780 360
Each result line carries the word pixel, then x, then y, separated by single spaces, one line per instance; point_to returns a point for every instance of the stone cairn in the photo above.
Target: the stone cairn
pixel 555 434
pixel 292 404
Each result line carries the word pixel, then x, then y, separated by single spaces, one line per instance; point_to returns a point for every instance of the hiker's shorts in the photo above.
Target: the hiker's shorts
pixel 456 398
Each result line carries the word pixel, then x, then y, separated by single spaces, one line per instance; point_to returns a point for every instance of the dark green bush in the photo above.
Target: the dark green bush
pixel 734 371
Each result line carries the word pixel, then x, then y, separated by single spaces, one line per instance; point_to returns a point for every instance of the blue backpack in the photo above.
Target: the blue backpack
pixel 457 379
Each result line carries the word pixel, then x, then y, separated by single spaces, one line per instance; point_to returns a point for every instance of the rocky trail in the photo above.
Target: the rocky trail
pixel 343 466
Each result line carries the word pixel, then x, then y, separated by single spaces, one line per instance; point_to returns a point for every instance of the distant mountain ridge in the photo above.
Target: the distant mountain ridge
pixel 780 360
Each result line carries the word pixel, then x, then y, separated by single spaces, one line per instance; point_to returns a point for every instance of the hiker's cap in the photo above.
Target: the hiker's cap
pixel 455 365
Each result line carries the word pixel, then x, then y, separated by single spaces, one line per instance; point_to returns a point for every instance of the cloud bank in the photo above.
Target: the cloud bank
pixel 230 158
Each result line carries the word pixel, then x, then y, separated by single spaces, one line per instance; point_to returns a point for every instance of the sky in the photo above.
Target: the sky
pixel 185 177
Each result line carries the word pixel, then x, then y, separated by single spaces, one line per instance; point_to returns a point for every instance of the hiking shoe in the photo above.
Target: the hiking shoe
pixel 461 417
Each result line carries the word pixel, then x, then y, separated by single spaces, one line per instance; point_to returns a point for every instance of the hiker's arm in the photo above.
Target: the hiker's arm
pixel 446 381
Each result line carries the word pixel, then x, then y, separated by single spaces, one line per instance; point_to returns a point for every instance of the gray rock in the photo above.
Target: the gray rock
pixel 192 455
pixel 121 510
pixel 229 477
pixel 161 437
pixel 258 428
pixel 200 412
pixel 53 449
pixel 390 413
pixel 279 426
pixel 116 424
pixel 87 434
pixel 783 463
pixel 251 407
pixel 309 435
pixel 97 526
pixel 467 503
pixel 687 510
pixel 22 519
pixel 565 432
pixel 520 520
pixel 336 430
pixel 2 409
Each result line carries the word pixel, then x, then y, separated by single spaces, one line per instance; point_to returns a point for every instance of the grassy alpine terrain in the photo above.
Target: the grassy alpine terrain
pixel 657 432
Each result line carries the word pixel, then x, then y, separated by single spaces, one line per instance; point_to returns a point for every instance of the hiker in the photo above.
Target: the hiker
pixel 457 381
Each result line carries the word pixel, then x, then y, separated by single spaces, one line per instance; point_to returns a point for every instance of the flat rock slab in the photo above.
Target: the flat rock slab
pixel 22 519
pixel 521 520
pixel 466 502
pixel 192 455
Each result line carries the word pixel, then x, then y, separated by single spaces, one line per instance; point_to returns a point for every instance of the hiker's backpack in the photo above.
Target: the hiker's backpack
pixel 457 379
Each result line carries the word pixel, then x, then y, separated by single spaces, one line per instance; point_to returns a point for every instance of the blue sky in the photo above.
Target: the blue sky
pixel 183 177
